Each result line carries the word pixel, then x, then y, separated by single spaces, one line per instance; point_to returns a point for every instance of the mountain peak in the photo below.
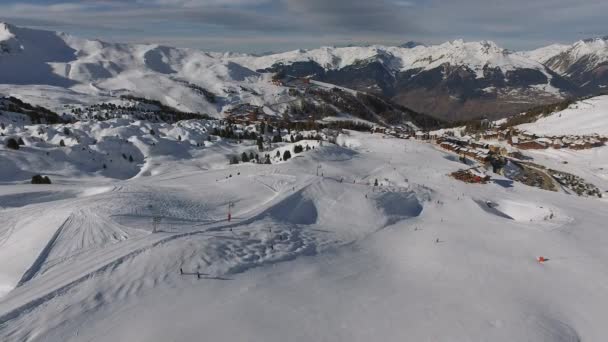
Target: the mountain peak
pixel 411 45
pixel 595 39
pixel 5 31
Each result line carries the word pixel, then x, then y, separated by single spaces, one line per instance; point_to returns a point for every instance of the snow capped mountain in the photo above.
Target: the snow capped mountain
pixel 7 39
pixel 94 68
pixel 187 229
pixel 543 54
pixel 475 55
pixel 455 80
pixel 585 63
pixel 590 52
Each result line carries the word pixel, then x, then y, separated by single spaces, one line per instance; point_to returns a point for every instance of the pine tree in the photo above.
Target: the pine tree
pixel 298 149
pixel 286 155
pixel 267 161
pixel 12 144
pixel 234 160
pixel 62 143
pixel 260 144
pixel 251 156
pixel 376 182
pixel 262 127
pixel 278 154
pixel 38 179
pixel 244 157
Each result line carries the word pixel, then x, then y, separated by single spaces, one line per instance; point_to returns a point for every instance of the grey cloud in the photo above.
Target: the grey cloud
pixel 356 16
pixel 274 24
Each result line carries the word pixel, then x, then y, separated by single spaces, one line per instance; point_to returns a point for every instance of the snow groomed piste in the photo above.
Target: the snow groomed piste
pixel 305 255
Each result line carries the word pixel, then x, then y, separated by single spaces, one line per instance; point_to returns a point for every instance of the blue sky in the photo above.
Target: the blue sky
pixel 279 25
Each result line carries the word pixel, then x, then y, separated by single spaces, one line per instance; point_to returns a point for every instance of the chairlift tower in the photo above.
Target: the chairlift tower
pixel 155 223
pixel 230 206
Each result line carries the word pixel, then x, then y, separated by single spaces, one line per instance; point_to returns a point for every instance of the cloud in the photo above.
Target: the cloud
pixel 356 16
pixel 282 24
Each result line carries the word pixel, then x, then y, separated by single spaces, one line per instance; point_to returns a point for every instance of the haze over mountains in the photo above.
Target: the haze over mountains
pixel 452 81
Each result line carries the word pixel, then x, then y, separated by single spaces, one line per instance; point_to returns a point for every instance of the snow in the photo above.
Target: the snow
pixel 305 256
pixel 584 117
pixel 545 53
pixel 95 70
pixel 475 55
pixel 313 251
pixel 593 53
pixel 5 33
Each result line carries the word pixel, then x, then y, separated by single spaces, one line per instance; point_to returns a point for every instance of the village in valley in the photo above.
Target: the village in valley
pixel 500 150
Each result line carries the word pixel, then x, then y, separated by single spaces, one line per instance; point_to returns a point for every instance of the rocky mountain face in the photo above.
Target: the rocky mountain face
pixel 585 63
pixel 452 81
pixel 57 71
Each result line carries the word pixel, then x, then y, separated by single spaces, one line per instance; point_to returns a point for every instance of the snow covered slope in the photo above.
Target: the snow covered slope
pixel 584 62
pixel 584 117
pixel 305 256
pixel 545 53
pixel 179 78
pixel 475 55
pixel 95 68
pixel 454 80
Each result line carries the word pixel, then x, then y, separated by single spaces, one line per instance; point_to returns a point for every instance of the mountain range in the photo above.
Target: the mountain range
pixel 452 81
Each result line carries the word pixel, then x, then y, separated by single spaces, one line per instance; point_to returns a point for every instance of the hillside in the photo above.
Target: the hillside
pixel 63 73
pixel 583 117
pixel 95 70
pixel 585 63
pixel 463 79
pixel 313 249
pixel 455 80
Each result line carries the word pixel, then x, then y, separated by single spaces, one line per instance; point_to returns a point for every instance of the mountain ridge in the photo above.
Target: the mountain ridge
pixel 454 80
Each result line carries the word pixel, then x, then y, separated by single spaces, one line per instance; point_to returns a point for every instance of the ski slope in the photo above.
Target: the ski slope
pixel 584 117
pixel 313 252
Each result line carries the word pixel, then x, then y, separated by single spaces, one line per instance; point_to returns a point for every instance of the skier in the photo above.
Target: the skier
pixel 437 240
pixel 181 271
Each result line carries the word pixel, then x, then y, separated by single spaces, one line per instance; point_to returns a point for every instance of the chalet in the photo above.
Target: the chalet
pixel 246 113
pixel 557 143
pixel 379 129
pixel 490 135
pixel 478 144
pixel 531 145
pixel 497 149
pixel 596 142
pixel 420 135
